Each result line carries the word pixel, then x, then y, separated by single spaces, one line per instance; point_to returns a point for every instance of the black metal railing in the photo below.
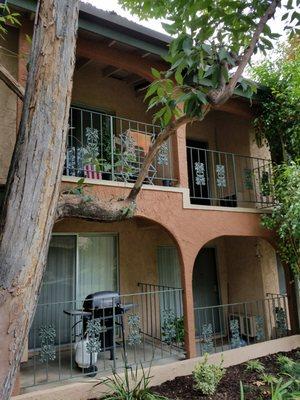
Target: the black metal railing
pixel 227 179
pixel 103 146
pixel 65 339
pixel 228 326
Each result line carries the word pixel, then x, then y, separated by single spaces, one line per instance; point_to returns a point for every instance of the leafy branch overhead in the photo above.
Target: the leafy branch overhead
pixel 213 43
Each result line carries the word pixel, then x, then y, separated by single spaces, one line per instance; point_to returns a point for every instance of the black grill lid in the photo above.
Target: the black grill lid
pixel 104 299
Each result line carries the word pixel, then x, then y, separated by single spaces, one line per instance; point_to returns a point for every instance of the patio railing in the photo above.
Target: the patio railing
pixel 227 179
pixel 103 146
pixel 227 326
pixel 64 335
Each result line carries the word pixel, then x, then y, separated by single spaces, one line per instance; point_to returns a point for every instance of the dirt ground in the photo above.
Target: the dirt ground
pixel 182 388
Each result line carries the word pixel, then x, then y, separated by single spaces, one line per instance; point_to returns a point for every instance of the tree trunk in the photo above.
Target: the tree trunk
pixel 34 178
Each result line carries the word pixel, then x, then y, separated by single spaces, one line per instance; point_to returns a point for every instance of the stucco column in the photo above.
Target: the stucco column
pixel 179 157
pixel 188 303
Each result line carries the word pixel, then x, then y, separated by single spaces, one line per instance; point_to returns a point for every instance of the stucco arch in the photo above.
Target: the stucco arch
pixel 241 259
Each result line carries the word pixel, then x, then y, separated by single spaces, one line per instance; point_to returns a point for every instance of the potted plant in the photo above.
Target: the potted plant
pixel 105 168
pixel 167 182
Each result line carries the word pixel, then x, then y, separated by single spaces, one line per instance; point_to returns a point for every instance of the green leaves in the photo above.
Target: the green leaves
pixel 7 17
pixel 210 39
pixel 279 124
pixel 155 73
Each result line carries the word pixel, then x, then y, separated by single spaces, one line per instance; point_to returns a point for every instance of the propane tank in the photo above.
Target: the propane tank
pixel 83 358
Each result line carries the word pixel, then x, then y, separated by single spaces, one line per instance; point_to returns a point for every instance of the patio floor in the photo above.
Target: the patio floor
pixel 34 373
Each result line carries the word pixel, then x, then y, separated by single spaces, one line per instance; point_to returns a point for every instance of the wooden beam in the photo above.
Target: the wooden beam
pixel 238 107
pixel 131 62
pixel 110 70
pixel 82 62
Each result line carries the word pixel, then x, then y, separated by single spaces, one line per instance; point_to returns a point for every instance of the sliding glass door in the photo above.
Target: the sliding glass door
pixel 77 265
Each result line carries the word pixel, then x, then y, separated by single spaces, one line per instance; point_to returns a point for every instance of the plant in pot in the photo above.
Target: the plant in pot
pixel 125 165
pixel 106 169
pixel 167 182
pixel 91 153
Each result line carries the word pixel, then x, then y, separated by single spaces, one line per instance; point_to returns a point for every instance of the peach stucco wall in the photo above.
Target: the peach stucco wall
pixel 223 132
pixel 91 89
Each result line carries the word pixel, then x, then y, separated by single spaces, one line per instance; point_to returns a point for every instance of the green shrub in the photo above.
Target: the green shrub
pixel 268 379
pixel 208 376
pixel 130 386
pixel 286 364
pixel 280 390
pixel 255 366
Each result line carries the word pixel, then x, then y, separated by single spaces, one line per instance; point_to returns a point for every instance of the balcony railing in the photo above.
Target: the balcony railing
pixel 138 328
pixel 227 179
pixel 228 326
pixel 103 146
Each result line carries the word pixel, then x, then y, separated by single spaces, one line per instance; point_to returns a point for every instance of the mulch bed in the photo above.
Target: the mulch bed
pixel 182 388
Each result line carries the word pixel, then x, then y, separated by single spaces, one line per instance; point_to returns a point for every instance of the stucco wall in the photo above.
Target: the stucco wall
pixel 90 88
pixel 268 261
pixel 8 102
pixel 251 268
pixel 246 267
pixel 223 132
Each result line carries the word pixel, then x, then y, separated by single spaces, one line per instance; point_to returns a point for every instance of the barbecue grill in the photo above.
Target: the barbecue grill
pixel 105 307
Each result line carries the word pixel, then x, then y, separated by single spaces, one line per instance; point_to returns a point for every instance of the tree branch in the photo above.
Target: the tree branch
pixel 94 209
pixel 215 96
pixel 11 82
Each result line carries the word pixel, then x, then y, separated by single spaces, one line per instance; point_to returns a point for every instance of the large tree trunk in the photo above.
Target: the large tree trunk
pixel 34 178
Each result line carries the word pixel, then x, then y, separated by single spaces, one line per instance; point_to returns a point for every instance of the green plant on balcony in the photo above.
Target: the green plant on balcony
pixel 172 328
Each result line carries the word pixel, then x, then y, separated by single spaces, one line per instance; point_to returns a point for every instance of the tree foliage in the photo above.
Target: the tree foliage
pixel 213 43
pixel 285 216
pixel 278 124
pixel 7 17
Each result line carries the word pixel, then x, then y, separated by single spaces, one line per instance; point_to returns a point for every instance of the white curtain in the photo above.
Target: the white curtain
pixel 97 266
pixel 168 266
pixel 169 275
pixel 57 290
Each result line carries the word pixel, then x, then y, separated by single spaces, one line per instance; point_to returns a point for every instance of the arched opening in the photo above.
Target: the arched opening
pixel 135 265
pixel 239 294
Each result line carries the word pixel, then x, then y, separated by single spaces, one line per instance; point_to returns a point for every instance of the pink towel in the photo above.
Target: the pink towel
pixel 90 172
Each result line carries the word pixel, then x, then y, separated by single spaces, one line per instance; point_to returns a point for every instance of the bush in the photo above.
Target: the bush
pixel 286 364
pixel 208 376
pixel 131 386
pixel 255 366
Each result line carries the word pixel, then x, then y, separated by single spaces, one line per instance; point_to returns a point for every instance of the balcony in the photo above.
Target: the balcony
pixel 102 146
pixel 219 178
pixel 105 147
